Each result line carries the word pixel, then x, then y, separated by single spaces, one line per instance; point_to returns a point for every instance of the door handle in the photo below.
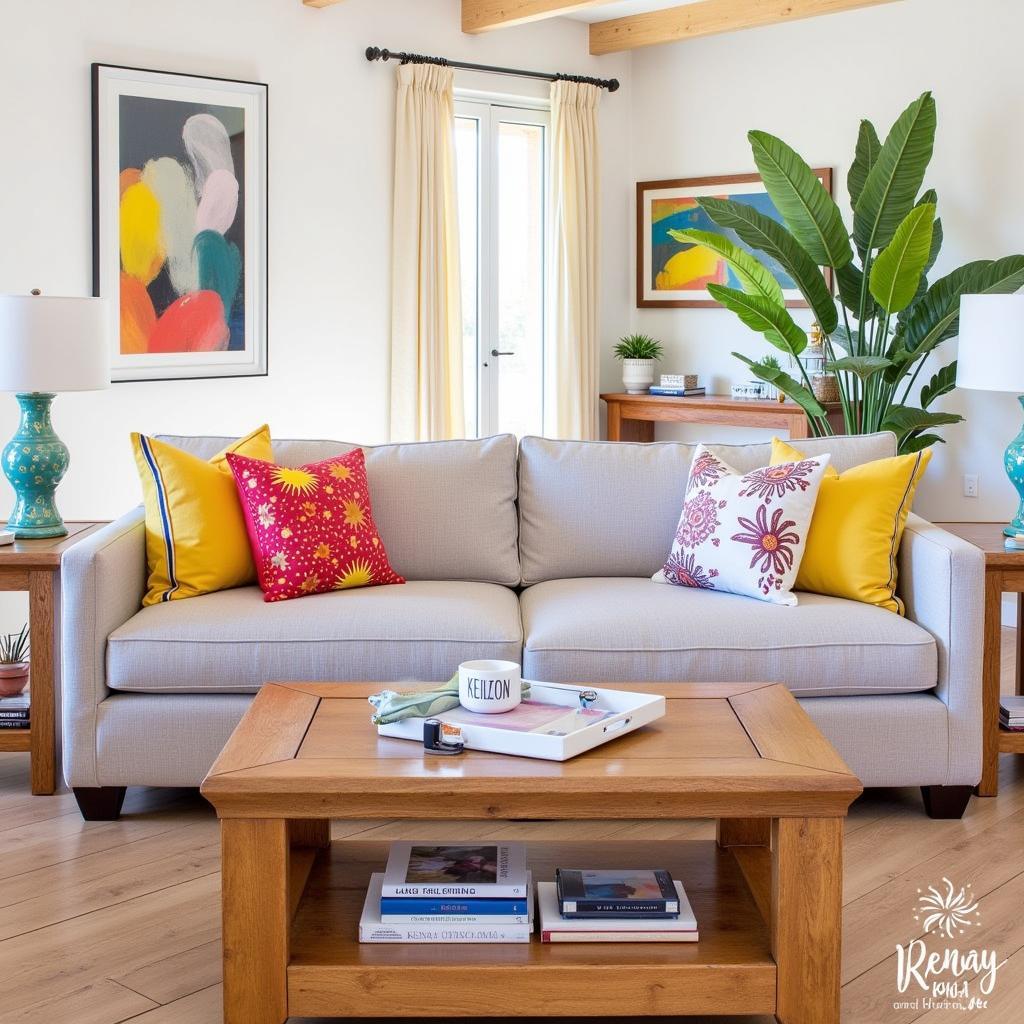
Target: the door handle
pixel 495 352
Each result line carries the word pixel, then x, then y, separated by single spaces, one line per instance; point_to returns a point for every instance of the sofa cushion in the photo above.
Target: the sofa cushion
pixel 446 510
pixel 608 630
pixel 602 508
pixel 233 642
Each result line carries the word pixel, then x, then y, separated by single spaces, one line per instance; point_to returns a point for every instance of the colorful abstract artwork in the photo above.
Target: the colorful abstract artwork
pixel 180 222
pixel 673 273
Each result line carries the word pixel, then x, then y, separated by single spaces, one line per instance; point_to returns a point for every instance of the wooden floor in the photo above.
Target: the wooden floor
pixel 103 923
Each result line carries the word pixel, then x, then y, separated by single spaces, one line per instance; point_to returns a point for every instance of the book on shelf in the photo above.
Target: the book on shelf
pixel 372 929
pixel 628 892
pixel 670 392
pixel 15 723
pixel 456 871
pixel 1011 713
pixel 556 928
pixel 415 910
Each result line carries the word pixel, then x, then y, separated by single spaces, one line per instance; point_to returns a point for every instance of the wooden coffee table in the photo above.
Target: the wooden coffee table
pixel 767 895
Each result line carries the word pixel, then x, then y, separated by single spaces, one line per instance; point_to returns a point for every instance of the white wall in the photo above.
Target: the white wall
pixel 810 83
pixel 331 125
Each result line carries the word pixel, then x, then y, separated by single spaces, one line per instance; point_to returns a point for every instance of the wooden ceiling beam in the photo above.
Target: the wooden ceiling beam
pixel 707 18
pixel 484 15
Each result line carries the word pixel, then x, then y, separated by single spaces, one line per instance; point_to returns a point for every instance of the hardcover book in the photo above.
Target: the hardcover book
pixel 372 929
pixel 556 928
pixel 620 893
pixel 414 910
pixel 451 871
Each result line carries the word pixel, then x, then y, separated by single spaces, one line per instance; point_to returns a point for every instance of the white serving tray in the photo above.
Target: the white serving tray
pixel 631 711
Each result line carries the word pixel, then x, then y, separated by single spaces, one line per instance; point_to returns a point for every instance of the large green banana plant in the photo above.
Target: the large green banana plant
pixel 888 320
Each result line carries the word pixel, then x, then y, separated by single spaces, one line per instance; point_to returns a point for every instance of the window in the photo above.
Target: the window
pixel 501 155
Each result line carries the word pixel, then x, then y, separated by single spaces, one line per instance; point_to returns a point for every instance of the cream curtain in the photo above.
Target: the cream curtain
pixel 426 305
pixel 571 396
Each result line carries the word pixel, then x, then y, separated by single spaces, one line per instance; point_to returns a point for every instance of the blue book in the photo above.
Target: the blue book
pixel 401 909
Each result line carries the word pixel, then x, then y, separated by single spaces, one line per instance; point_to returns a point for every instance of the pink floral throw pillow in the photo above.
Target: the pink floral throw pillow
pixel 744 533
pixel 311 527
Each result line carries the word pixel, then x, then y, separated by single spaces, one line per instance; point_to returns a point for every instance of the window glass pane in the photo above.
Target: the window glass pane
pixel 467 160
pixel 520 277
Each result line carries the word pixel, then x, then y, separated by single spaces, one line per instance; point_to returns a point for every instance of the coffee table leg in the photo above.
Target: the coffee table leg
pixel 806 918
pixel 254 880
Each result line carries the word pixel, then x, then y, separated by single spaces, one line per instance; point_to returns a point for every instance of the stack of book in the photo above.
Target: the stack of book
pixel 1011 713
pixel 615 906
pixel 450 892
pixel 14 712
pixel 674 386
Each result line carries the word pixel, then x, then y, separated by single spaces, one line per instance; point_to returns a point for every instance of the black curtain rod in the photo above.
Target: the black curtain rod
pixel 376 53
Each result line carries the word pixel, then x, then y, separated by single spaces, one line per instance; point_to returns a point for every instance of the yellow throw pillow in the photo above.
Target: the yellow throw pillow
pixel 857 526
pixel 196 540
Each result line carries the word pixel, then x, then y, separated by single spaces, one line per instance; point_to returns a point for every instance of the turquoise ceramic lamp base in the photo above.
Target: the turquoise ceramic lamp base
pixel 35 461
pixel 1013 461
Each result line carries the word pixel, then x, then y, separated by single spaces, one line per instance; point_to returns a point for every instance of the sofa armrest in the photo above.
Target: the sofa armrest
pixel 103 581
pixel 942 583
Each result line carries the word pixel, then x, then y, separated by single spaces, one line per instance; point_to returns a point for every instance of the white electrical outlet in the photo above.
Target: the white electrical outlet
pixel 970 485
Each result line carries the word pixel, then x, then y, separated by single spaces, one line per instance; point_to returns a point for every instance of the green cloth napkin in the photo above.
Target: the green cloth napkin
pixel 391 706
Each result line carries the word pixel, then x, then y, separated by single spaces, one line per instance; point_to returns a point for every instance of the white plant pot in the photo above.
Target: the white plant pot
pixel 637 375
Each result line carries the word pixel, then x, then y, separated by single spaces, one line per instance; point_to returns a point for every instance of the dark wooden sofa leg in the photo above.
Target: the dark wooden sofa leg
pixel 101 803
pixel 946 801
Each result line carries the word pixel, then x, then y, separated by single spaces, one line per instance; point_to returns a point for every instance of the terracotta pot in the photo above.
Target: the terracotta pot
pixel 13 678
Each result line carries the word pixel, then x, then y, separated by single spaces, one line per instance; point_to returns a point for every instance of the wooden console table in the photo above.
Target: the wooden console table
pixel 34 565
pixel 1004 574
pixel 632 417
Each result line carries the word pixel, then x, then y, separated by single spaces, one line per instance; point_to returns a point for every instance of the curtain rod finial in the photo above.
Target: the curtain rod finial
pixel 613 85
pixel 373 53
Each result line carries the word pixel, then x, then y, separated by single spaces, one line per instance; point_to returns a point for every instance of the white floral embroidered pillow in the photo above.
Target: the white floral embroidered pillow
pixel 744 533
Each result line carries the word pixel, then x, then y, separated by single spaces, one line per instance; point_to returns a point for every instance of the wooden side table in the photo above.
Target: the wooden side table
pixel 34 565
pixel 632 417
pixel 1004 574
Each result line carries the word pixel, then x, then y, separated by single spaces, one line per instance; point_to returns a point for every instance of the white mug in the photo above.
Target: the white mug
pixel 490 687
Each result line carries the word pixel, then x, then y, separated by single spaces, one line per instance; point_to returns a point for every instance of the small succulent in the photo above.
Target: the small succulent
pixel 14 647
pixel 638 346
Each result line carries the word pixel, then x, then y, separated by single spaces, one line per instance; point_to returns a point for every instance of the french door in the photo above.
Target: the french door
pixel 502 159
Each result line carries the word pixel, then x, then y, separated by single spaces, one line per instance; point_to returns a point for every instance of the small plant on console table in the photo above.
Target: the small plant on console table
pixel 889 319
pixel 13 662
pixel 638 353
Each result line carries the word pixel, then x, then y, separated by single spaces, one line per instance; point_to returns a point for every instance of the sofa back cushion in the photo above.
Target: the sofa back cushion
pixel 600 508
pixel 445 509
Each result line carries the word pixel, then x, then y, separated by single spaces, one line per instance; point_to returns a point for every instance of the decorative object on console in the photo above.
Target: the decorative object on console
pixel 180 222
pixel 674 267
pixel 638 353
pixel 744 534
pixel 857 526
pixel 989 359
pixel 311 527
pixel 900 318
pixel 14 648
pixel 48 344
pixel 196 540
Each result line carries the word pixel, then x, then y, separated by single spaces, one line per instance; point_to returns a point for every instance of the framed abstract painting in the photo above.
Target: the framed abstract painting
pixel 676 274
pixel 180 222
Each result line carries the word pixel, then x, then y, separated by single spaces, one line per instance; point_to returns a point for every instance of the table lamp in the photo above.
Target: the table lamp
pixel 991 358
pixel 47 344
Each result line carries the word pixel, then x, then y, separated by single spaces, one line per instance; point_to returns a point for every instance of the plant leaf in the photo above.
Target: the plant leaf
pixel 864 159
pixel 904 419
pixel 861 366
pixel 808 210
pixel 897 271
pixel 893 182
pixel 843 338
pixel 918 443
pixel 763 316
pixel 942 382
pixel 787 385
pixel 755 277
pixel 770 237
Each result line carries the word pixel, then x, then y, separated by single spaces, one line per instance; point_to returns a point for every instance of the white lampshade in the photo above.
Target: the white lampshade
pixel 991 350
pixel 51 343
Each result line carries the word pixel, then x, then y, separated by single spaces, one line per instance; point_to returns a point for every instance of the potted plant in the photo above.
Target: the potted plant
pixel 889 318
pixel 638 353
pixel 14 662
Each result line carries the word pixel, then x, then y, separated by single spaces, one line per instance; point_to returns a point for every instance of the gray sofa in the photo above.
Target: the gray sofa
pixel 540 553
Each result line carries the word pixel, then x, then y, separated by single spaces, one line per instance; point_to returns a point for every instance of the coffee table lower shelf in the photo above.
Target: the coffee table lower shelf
pixel 729 971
